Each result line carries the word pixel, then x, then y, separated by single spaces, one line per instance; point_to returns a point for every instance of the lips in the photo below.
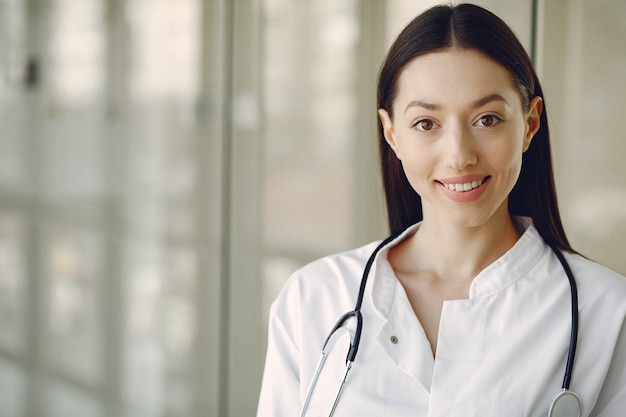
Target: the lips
pixel 467 186
pixel 464 189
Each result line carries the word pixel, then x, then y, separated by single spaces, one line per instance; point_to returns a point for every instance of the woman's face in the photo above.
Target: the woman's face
pixel 460 131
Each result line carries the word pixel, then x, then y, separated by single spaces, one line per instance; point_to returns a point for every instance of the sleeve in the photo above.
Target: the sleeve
pixel 612 399
pixel 280 388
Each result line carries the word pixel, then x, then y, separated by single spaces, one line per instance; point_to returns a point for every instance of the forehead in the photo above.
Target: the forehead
pixel 454 76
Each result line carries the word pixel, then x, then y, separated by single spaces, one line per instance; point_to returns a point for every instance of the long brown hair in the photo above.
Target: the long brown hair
pixel 468 26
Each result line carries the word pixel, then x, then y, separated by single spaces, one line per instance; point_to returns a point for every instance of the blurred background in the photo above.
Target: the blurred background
pixel 166 164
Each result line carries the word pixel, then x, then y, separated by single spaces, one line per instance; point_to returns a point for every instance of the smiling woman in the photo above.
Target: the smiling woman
pixel 459 134
pixel 166 165
pixel 477 264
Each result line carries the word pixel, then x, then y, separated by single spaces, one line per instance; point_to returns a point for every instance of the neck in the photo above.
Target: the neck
pixel 456 253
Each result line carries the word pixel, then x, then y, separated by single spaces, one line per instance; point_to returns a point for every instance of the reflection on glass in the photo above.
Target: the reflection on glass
pixel 77 49
pixel 64 400
pixel 144 367
pixel 179 312
pixel 14 112
pixel 159 213
pixel 114 139
pixel 73 320
pixel 13 392
pixel 13 280
pixel 161 327
pixel 310 115
pixel 165 48
pixel 72 132
pixel 583 66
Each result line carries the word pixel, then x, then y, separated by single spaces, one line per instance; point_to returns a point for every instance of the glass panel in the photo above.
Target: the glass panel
pixel 13 392
pixel 76 63
pixel 112 138
pixel 179 312
pixel 310 127
pixel 63 400
pixel 160 329
pixel 74 129
pixel 75 162
pixel 13 280
pixel 73 268
pixel 310 116
pixel 144 367
pixel 583 67
pixel 14 104
pixel 160 261
pixel 165 48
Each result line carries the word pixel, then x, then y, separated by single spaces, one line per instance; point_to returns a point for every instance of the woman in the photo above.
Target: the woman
pixel 467 310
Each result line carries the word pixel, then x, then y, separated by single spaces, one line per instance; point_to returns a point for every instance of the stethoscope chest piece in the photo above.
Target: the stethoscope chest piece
pixel 566 404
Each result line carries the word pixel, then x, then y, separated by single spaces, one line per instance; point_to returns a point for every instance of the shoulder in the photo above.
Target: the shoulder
pixel 355 258
pixel 597 282
pixel 317 294
pixel 588 270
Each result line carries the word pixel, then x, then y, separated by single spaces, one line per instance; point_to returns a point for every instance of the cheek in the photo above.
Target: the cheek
pixel 508 161
pixel 416 169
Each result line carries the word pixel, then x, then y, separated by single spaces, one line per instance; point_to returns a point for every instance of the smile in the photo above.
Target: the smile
pixel 468 186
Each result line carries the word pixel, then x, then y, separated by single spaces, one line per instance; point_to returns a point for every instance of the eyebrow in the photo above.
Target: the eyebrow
pixel 476 104
pixel 488 99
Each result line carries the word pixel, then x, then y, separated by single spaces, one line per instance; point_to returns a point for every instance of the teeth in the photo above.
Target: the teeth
pixel 464 187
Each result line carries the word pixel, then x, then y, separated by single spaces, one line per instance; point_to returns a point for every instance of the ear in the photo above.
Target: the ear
pixel 388 130
pixel 533 120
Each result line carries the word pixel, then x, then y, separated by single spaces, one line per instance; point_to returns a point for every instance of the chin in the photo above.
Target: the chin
pixel 475 217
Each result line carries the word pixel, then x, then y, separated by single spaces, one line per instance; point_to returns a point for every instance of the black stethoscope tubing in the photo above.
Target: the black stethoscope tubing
pixel 573 342
pixel 359 300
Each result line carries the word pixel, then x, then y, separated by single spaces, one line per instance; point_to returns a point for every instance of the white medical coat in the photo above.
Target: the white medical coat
pixel 502 352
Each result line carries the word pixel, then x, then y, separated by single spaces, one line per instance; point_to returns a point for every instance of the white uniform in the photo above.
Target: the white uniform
pixel 502 352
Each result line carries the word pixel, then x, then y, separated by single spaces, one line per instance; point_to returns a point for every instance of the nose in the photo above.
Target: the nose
pixel 458 149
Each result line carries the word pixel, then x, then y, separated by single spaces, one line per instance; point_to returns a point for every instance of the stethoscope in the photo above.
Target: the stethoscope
pixel 565 404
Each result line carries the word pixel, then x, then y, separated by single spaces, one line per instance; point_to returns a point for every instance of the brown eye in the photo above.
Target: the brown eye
pixel 488 120
pixel 424 125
